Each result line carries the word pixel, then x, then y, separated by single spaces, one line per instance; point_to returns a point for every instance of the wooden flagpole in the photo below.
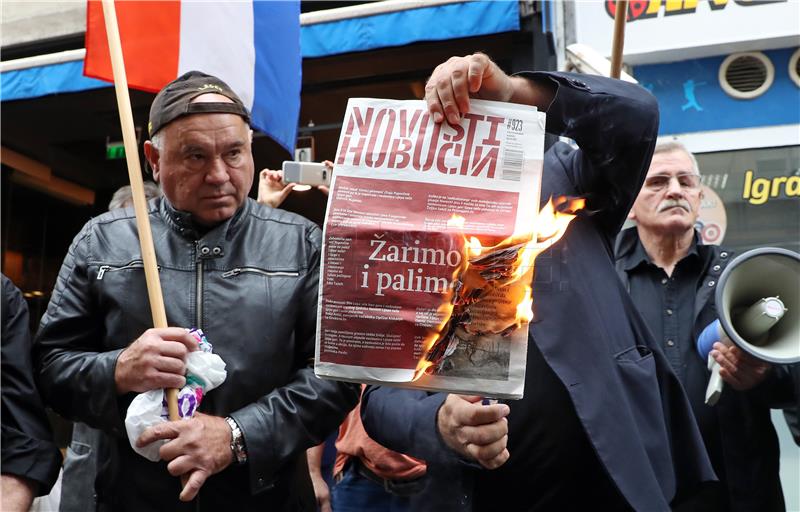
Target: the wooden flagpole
pixel 619 38
pixel 137 187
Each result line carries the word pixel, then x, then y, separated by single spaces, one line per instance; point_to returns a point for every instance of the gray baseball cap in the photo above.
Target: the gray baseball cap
pixel 175 100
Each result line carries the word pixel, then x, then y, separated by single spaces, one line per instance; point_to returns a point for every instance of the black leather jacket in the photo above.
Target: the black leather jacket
pixel 27 450
pixel 251 285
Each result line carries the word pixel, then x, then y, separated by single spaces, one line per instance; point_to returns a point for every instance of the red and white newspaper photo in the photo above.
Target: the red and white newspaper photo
pixel 428 247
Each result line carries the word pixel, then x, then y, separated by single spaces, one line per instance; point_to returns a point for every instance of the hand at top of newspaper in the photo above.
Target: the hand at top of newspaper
pixel 452 84
pixel 475 431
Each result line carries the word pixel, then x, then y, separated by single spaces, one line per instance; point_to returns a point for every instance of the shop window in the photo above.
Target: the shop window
pixel 37 230
pixel 755 199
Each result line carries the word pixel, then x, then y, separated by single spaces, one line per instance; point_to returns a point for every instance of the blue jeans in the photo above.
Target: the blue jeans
pixel 354 493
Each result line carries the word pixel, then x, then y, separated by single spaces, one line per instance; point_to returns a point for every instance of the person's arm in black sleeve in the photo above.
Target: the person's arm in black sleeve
pixel 404 420
pixel 615 125
pixel 792 411
pixel 777 390
pixel 302 413
pixel 29 456
pixel 74 374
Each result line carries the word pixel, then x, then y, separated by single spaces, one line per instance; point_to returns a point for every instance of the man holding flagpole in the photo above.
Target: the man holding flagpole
pixel 244 273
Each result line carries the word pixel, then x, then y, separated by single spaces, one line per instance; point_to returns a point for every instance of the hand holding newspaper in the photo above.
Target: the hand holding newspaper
pixel 428 248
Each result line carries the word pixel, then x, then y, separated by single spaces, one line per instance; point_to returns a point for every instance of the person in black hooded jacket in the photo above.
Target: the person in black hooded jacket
pixel 604 423
pixel 30 459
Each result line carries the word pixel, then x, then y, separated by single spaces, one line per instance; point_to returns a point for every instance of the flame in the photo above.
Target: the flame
pixel 555 217
pixel 456 221
pixel 475 247
pixel 552 223
pixel 525 308
pixel 445 311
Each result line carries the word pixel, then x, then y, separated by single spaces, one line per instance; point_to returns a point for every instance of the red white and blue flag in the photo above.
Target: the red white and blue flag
pixel 253 46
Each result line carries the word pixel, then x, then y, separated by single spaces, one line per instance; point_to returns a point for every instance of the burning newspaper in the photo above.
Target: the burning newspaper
pixel 428 248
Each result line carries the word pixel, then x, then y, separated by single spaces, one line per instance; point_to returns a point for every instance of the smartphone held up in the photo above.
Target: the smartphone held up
pixel 306 173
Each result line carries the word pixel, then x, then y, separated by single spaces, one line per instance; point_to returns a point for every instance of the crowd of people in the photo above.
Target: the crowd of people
pixel 613 416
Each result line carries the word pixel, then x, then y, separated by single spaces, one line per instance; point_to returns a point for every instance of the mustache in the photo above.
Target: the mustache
pixel 666 204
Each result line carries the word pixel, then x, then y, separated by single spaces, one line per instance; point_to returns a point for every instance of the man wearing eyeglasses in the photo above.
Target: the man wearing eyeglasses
pixel 671 277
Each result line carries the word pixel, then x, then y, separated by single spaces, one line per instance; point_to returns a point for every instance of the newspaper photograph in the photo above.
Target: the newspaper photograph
pixel 428 247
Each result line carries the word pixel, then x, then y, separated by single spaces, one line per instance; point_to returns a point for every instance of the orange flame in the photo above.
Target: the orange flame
pixel 446 308
pixel 456 221
pixel 525 308
pixel 475 247
pixel 552 223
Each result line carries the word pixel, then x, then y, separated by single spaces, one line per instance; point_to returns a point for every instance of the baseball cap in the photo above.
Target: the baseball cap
pixel 175 100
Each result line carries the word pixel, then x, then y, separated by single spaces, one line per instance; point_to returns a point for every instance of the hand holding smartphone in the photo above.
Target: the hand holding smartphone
pixel 306 173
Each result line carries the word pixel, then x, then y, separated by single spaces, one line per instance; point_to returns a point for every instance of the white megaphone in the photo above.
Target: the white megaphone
pixel 758 303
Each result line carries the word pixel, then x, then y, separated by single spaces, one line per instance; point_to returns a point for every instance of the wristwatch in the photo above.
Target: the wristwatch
pixel 237 441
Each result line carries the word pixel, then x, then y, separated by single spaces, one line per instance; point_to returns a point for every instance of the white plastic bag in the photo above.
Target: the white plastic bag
pixel 144 412
pixel 205 371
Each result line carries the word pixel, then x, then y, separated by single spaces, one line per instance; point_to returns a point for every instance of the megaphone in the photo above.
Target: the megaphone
pixel 758 303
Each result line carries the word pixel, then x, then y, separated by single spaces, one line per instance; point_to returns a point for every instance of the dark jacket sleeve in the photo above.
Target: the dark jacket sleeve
pixel 405 421
pixel 28 450
pixel 778 390
pixel 305 411
pixel 74 374
pixel 615 125
pixel 792 412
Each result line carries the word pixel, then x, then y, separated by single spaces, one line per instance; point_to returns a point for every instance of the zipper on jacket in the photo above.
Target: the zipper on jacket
pixel 199 303
pixel 239 270
pixel 101 272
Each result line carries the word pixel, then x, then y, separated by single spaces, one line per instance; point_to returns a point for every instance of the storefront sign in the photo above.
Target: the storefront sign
pixel 760 190
pixel 643 9
pixel 664 30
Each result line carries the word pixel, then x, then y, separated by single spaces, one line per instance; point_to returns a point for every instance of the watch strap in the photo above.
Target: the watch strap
pixel 237 441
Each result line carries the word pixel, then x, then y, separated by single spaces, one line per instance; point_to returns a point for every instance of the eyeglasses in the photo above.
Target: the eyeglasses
pixel 686 180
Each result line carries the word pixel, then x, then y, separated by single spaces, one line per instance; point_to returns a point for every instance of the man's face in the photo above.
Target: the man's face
pixel 206 164
pixel 669 201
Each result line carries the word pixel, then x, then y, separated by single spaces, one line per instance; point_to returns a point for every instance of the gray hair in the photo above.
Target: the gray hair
pixel 672 146
pixel 123 197
pixel 157 140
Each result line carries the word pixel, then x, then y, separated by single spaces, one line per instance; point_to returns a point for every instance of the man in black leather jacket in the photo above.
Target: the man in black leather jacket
pixel 244 273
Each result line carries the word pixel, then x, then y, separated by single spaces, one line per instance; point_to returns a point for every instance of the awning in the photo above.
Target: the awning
pixel 38 81
pixel 323 33
pixel 417 21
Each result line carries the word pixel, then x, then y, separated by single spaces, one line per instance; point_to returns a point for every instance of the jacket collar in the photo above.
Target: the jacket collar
pixel 182 223
pixel 631 253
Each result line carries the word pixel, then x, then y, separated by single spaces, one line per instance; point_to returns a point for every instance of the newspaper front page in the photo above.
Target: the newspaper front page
pixel 422 283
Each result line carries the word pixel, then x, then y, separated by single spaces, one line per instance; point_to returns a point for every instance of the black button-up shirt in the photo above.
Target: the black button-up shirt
pixel 667 303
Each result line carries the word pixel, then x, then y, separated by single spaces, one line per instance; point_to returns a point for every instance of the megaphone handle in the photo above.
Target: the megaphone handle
pixel 715 383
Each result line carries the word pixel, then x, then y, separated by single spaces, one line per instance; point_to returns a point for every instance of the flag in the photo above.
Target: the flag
pixel 253 46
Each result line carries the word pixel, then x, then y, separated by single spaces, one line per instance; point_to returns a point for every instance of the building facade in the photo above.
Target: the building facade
pixel 727 79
